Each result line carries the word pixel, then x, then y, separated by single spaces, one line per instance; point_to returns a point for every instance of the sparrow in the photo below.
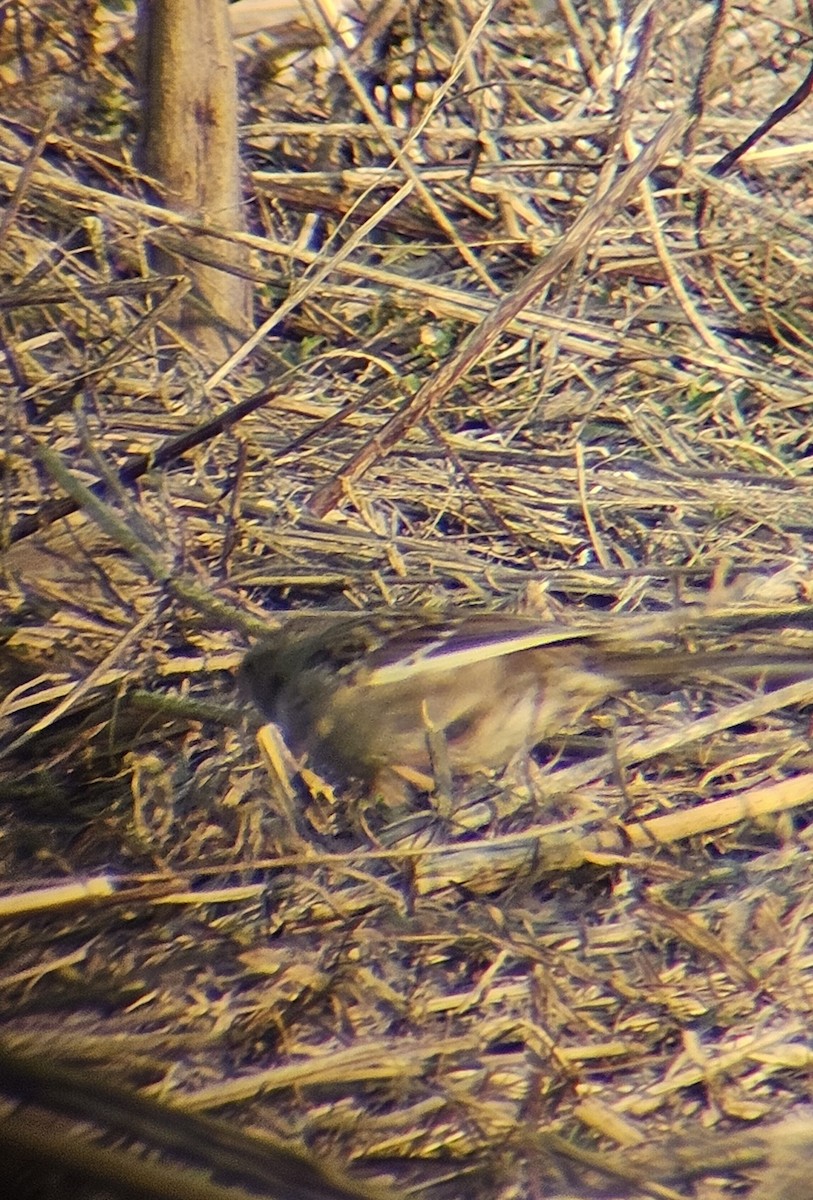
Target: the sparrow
pixel 404 696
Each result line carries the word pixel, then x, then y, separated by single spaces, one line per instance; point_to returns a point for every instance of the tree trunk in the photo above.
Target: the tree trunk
pixel 189 146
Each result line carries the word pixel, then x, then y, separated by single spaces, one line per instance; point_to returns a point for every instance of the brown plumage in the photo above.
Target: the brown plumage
pixel 374 697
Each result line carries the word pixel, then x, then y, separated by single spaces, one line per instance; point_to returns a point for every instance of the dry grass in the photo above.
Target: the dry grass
pixel 545 991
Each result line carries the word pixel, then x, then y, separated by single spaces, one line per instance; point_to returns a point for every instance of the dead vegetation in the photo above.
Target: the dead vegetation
pixel 542 990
